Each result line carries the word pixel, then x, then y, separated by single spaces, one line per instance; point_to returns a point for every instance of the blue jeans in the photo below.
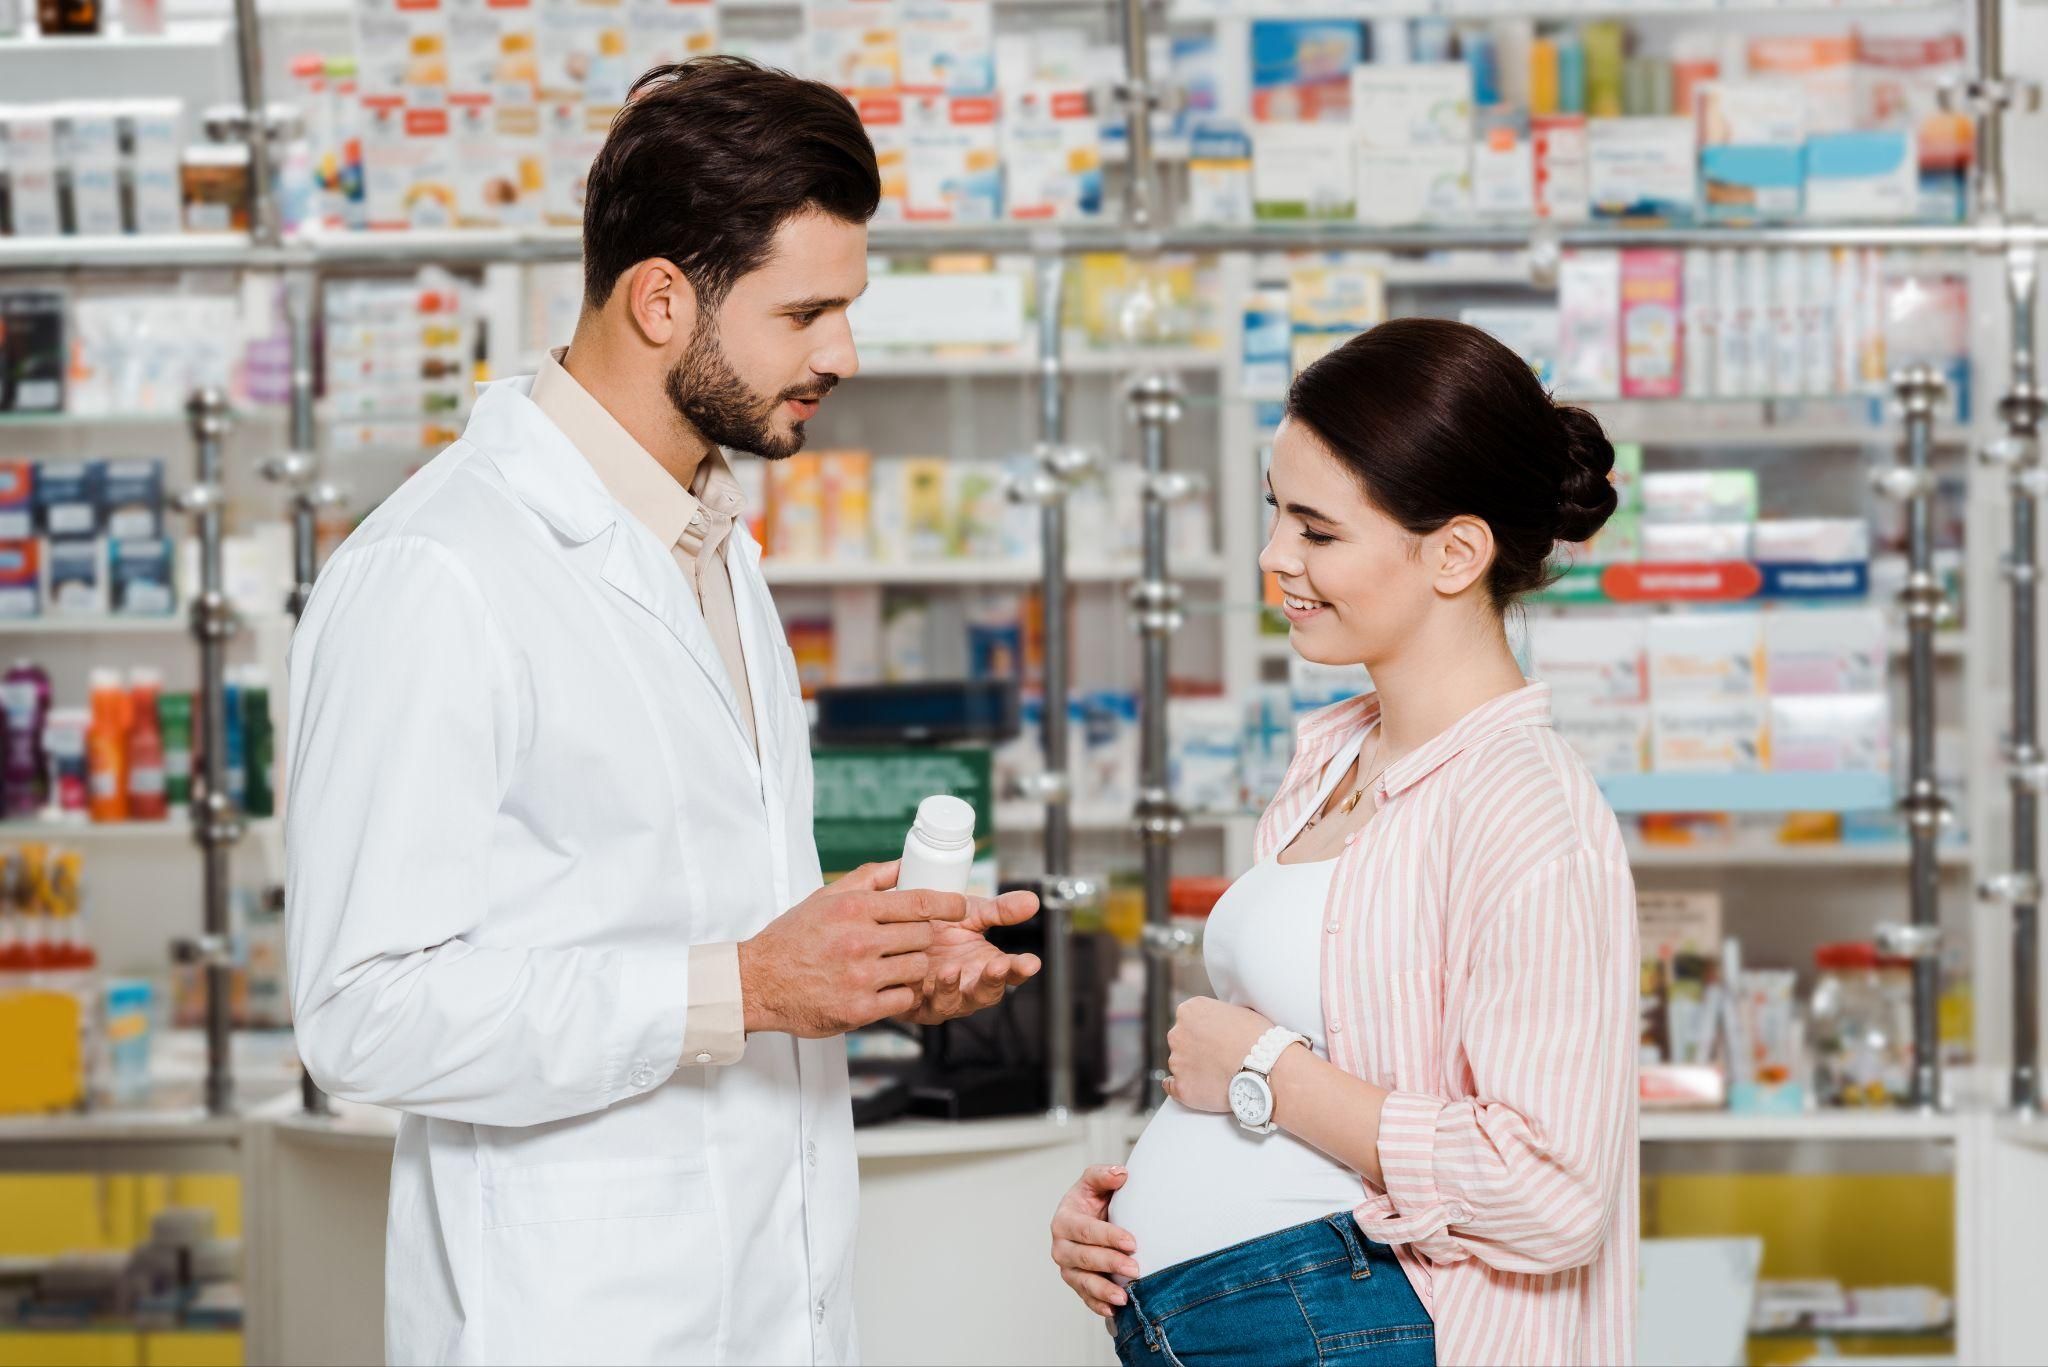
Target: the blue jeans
pixel 1318 1293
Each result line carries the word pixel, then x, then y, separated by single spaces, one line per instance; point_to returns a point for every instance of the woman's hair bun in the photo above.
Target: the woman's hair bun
pixel 1585 496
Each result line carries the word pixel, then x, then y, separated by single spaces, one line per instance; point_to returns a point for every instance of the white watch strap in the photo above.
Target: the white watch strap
pixel 1270 1047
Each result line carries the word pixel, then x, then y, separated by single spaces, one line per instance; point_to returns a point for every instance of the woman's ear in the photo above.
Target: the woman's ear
pixel 1463 551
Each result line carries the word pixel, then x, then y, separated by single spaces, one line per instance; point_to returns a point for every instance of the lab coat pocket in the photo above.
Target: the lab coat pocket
pixel 602 1262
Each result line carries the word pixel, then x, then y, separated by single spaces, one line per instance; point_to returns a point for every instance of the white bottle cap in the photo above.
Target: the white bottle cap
pixel 945 821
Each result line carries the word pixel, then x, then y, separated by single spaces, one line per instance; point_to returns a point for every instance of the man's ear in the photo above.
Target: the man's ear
pixel 660 301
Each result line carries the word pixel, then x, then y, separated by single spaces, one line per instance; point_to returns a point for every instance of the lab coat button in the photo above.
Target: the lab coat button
pixel 821 1312
pixel 811 1151
pixel 642 1075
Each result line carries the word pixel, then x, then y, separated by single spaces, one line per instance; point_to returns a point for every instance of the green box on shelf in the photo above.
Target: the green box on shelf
pixel 1628 477
pixel 865 798
pixel 1579 584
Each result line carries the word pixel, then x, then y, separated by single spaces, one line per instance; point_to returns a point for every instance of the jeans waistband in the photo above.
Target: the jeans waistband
pixel 1318 1243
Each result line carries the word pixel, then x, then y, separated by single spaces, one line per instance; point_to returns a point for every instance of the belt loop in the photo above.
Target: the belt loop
pixel 1144 1320
pixel 1354 1243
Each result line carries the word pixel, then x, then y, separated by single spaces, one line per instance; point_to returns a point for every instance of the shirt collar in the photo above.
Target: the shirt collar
pixel 641 484
pixel 1528 705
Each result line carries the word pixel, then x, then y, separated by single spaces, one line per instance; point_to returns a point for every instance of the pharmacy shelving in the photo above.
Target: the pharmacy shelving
pixel 1829 1126
pixel 94 626
pixel 881 364
pixel 840 574
pixel 1780 856
pixel 1763 792
pixel 177 34
pixel 78 832
pixel 1019 817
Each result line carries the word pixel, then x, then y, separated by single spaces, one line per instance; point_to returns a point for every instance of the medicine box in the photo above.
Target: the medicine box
pixel 955 172
pixel 152 143
pixel 1825 651
pixel 1700 496
pixel 1642 167
pixel 30 156
pixel 133 496
pixel 1416 105
pixel 1871 175
pixel 1590 660
pixel 1589 331
pixel 1840 733
pixel 1430 184
pixel 1708 735
pixel 1611 738
pixel 1694 543
pixel 882 118
pixel 77 576
pixel 17 499
pixel 1503 174
pixel 1651 306
pixel 1705 655
pixel 1811 540
pixel 140 572
pixel 33 359
pixel 70 497
pixel 1558 144
pixel 946 47
pixel 1751 184
pixel 21 579
pixel 1527 330
pixel 1303 171
pixel 1051 155
pixel 89 150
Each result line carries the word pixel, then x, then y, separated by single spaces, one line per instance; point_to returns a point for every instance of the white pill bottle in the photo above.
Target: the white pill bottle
pixel 939 850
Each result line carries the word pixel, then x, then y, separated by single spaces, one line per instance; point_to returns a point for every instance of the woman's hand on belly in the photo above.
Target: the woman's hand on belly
pixel 1088 1249
pixel 1206 1048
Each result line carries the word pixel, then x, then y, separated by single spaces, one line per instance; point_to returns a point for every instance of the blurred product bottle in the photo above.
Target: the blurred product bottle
pixel 233 749
pixel 147 795
pixel 68 18
pixel 25 708
pixel 106 748
pixel 65 751
pixel 259 746
pixel 174 720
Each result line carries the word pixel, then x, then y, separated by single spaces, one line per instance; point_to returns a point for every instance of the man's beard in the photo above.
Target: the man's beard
pixel 723 410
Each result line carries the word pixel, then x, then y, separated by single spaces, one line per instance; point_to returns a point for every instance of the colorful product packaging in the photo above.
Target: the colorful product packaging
pixel 1220 175
pixel 1694 543
pixel 955 172
pixel 71 498
pixel 139 576
pixel 1430 184
pixel 17 500
pixel 853 44
pixel 1705 656
pixel 1424 104
pixel 947 47
pixel 882 117
pixel 21 579
pixel 1591 660
pixel 77 569
pixel 1303 171
pixel 89 150
pixel 1825 652
pixel 1865 176
pixel 133 493
pixel 30 143
pixel 1561 168
pixel 845 480
pixel 1709 735
pixel 1589 317
pixel 1652 303
pixel 796 504
pixel 154 136
pixel 1301 69
pixel 1052 155
pixel 1835 734
pixel 1642 167
pixel 1700 496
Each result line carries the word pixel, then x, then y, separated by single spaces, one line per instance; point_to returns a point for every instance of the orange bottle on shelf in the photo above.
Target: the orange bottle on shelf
pixel 147 797
pixel 106 748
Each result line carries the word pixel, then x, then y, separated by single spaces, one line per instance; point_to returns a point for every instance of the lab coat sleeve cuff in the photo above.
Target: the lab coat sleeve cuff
pixel 652 1010
pixel 714 1033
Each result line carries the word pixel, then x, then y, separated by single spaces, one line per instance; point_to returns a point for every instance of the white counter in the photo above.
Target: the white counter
pixel 954 1255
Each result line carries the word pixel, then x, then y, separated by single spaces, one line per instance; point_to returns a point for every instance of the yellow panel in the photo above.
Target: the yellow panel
pixel 49 1214
pixel 192 1349
pixel 1888 1229
pixel 70 1350
pixel 43 1069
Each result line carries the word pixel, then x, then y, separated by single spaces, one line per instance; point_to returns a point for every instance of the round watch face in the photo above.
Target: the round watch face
pixel 1248 1099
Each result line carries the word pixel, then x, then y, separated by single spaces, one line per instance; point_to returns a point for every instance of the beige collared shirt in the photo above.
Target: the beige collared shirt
pixel 696 525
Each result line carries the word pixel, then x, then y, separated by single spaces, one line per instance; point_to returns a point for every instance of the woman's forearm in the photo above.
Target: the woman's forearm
pixel 1319 1103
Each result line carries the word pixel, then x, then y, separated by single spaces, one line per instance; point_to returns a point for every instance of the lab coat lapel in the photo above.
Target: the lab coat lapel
pixel 637 567
pixel 549 475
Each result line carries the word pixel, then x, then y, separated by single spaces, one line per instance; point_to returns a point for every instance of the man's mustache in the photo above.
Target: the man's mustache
pixel 813 393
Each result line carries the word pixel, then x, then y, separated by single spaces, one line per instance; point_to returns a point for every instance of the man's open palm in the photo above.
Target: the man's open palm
pixel 967 972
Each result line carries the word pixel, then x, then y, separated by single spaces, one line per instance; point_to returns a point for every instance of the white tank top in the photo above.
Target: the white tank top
pixel 1199 1181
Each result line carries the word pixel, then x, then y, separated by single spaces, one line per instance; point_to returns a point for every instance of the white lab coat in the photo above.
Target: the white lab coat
pixel 519 792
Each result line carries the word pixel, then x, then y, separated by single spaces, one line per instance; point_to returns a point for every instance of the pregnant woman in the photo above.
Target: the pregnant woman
pixel 1404 1130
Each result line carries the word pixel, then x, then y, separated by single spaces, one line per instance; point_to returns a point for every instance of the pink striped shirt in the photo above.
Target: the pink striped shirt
pixel 1481 966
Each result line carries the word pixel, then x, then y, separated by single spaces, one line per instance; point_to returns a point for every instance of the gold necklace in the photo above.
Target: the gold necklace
pixel 1350 804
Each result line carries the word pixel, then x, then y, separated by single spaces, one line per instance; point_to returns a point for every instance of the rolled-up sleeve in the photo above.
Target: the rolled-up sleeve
pixel 404 734
pixel 1525 1173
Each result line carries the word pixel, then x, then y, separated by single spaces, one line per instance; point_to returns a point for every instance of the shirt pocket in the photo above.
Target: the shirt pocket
pixel 1415 1029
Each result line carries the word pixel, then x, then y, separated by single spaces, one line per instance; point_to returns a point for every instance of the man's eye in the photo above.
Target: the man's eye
pixel 807 317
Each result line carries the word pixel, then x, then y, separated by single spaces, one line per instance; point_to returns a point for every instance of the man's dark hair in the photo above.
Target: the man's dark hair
pixel 707 160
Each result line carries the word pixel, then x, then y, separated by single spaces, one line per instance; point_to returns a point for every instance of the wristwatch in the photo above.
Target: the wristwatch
pixel 1251 1094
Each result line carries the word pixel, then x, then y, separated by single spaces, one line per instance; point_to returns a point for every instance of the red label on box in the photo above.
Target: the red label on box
pixel 974 109
pixel 426 123
pixel 1723 582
